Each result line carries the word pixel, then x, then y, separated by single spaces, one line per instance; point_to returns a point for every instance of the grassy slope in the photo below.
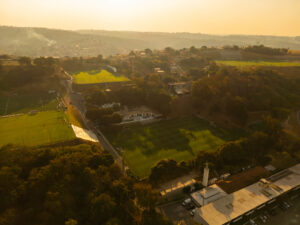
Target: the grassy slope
pixel 259 63
pixel 97 77
pixel 179 139
pixel 42 128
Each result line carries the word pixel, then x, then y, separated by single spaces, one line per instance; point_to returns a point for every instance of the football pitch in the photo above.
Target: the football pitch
pixel 179 139
pixel 39 129
pixel 97 77
pixel 259 63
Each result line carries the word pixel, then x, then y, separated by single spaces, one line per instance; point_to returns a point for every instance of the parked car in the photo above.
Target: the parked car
pixel 282 206
pixel 287 205
pixel 192 213
pixel 186 201
pixel 262 218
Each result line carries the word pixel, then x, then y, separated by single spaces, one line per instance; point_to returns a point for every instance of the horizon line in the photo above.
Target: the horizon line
pixel 135 31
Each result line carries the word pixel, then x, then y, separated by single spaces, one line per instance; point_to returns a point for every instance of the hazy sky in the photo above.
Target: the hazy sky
pixel 274 17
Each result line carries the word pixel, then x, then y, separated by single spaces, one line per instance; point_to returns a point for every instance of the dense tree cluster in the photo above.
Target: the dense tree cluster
pixel 167 170
pixel 261 49
pixel 74 64
pixel 103 116
pixel 235 93
pixel 28 73
pixel 70 185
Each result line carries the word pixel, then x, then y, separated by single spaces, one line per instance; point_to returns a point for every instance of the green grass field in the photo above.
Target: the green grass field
pixel 178 139
pixel 25 103
pixel 259 63
pixel 97 77
pixel 42 128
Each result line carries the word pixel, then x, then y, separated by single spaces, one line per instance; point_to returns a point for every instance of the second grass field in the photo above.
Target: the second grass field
pixel 39 129
pixel 97 77
pixel 259 63
pixel 179 139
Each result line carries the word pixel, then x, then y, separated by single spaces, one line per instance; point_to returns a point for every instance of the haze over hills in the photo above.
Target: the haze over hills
pixel 51 42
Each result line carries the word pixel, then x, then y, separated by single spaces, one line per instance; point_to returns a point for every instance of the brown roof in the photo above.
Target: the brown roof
pixel 241 180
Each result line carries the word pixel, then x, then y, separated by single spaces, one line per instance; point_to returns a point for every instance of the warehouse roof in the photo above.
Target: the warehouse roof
pixel 243 201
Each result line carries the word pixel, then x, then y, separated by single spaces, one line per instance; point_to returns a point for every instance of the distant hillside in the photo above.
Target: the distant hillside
pixel 51 42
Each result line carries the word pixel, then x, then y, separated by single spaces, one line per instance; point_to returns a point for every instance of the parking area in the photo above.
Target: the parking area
pixel 283 211
pixel 176 212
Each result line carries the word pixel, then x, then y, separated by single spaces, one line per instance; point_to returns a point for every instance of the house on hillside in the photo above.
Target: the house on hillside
pixel 138 114
pixel 179 88
pixel 174 69
pixel 159 70
pixel 112 68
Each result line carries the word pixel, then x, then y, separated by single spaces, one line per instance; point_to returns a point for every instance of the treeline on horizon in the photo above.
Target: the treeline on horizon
pixel 50 42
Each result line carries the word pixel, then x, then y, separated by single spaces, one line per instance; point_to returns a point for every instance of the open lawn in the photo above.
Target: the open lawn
pixel 259 63
pixel 178 139
pixel 25 103
pixel 42 128
pixel 97 77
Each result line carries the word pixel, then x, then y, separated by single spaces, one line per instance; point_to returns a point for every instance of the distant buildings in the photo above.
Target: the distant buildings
pixel 112 68
pixel 111 105
pixel 174 69
pixel 159 70
pixel 179 88
pixel 138 114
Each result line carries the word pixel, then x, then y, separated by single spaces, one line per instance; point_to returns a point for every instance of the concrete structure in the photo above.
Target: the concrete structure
pixel 243 202
pixel 138 114
pixel 84 134
pixel 207 195
pixel 205 175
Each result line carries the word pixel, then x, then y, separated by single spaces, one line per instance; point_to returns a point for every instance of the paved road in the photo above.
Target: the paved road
pixel 77 101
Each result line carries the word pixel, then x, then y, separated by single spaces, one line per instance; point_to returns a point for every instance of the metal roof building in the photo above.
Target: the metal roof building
pixel 208 194
pixel 242 202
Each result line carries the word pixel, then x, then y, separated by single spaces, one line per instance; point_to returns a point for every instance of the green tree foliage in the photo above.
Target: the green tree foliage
pixel 167 170
pixel 237 107
pixel 150 217
pixel 266 50
pixel 103 116
pixel 147 197
pixel 22 75
pixel 68 185
pixel 236 93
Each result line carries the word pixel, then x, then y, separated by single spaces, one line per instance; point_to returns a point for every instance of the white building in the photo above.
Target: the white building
pixel 208 195
pixel 236 205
